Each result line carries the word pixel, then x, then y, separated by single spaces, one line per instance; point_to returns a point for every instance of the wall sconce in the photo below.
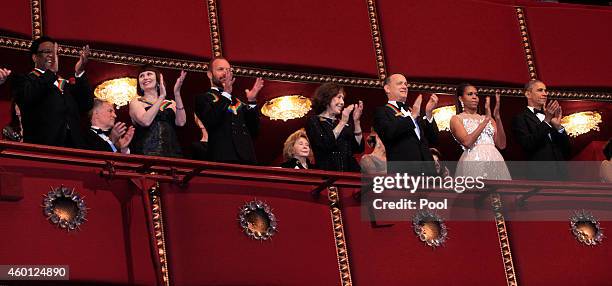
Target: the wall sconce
pixel 286 107
pixel 119 91
pixel 581 122
pixel 442 115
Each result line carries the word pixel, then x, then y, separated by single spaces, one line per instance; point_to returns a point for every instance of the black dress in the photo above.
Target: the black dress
pixel 159 139
pixel 330 153
pixel 8 133
pixel 294 163
pixel 200 151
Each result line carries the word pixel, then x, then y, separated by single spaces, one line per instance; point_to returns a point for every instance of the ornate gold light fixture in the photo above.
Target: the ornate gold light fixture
pixel 585 228
pixel 65 208
pixel 430 228
pixel 442 115
pixel 257 220
pixel 581 122
pixel 286 107
pixel 119 91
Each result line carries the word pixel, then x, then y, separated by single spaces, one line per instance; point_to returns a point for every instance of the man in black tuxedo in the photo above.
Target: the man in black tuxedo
pixel 50 104
pixel 104 134
pixel 230 122
pixel 539 131
pixel 404 132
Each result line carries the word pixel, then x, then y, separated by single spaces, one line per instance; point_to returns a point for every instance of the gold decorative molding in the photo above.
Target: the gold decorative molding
pixel 215 33
pixel 529 56
pixel 158 228
pixel 37 30
pixel 338 229
pixel 504 240
pixel 196 66
pixel 132 59
pixel 14 43
pixel 306 77
pixel 377 39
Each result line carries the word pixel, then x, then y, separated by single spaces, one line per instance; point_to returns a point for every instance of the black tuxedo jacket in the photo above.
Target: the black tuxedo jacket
pixel 401 142
pixel 92 141
pixel 549 152
pixel 230 126
pixel 48 115
pixel 532 135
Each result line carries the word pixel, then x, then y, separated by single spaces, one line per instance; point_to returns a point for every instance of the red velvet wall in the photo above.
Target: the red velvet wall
pixel 572 46
pixel 112 246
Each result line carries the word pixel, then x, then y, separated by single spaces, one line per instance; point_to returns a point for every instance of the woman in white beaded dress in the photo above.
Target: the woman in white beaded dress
pixel 479 135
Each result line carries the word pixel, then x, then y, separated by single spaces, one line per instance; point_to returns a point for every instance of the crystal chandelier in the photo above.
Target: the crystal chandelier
pixel 581 122
pixel 119 91
pixel 286 107
pixel 442 115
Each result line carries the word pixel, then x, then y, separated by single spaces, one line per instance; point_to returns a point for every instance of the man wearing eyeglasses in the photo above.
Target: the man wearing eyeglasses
pixel 51 105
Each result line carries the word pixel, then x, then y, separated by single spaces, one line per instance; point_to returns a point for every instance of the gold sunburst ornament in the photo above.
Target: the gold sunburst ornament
pixel 430 228
pixel 585 228
pixel 442 115
pixel 257 220
pixel 286 107
pixel 581 122
pixel 65 208
pixel 119 91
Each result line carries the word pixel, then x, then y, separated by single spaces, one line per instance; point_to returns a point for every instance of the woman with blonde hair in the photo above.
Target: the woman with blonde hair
pixel 296 151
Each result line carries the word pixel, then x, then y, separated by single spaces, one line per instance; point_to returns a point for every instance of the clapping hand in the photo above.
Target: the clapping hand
pixel 4 73
pixel 496 114
pixel 125 140
pixel 431 105
pixel 550 110
pixel 83 59
pixel 179 83
pixel 252 93
pixel 121 135
pixel 357 111
pixel 416 107
pixel 162 87
pixel 346 113
pixel 228 83
pixel 55 65
pixel 556 120
pixel 118 130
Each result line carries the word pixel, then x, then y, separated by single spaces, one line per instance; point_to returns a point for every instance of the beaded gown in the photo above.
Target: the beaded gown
pixel 483 158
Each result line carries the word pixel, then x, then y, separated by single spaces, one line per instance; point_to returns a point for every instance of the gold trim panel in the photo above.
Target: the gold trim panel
pixel 504 240
pixel 195 66
pixel 306 77
pixel 377 40
pixel 37 29
pixel 132 59
pixel 15 44
pixel 529 57
pixel 215 33
pixel 338 228
pixel 158 226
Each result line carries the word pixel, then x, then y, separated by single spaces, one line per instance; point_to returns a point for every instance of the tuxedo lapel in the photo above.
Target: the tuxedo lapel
pixel 397 114
pixel 529 114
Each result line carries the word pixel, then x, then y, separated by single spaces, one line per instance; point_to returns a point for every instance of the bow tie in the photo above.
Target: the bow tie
pixel 536 111
pixel 402 105
pixel 100 131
